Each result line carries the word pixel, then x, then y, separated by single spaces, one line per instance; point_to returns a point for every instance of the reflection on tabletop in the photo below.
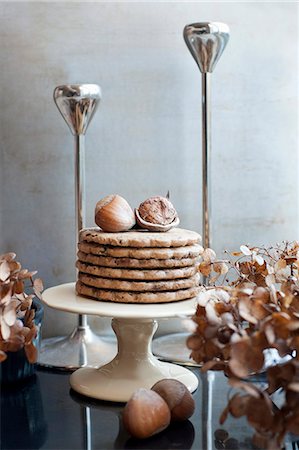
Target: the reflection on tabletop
pixel 45 413
pixel 176 436
pixel 23 424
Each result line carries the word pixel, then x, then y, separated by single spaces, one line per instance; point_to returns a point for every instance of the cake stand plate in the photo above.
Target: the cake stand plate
pixel 134 366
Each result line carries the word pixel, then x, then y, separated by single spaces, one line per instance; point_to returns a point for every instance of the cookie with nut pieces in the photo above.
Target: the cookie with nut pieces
pixel 177 237
pixel 138 286
pixel 133 263
pixel 135 297
pixel 137 274
pixel 167 253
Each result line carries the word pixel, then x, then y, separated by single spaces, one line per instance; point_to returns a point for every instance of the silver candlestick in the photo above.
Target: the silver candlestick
pixel 77 104
pixel 206 42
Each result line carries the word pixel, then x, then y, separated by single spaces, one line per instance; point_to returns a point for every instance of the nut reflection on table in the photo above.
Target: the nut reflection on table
pixel 179 435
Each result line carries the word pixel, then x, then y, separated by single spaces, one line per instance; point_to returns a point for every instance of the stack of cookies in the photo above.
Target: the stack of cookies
pixel 138 266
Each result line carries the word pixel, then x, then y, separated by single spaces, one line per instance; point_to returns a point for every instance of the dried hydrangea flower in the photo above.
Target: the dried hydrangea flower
pixel 17 327
pixel 253 307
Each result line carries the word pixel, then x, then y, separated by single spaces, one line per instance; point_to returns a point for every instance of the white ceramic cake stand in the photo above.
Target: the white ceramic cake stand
pixel 134 325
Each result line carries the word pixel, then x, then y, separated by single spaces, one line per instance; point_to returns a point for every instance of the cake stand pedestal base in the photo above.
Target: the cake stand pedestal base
pixel 133 367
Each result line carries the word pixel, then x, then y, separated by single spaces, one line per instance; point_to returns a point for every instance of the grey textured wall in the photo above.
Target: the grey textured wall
pixel 145 137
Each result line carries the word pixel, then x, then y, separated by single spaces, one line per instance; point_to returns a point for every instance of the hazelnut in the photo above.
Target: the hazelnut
pixel 157 214
pixel 145 414
pixel 113 213
pixel 177 397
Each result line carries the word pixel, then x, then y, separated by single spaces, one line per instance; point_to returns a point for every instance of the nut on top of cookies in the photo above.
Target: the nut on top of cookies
pixel 114 214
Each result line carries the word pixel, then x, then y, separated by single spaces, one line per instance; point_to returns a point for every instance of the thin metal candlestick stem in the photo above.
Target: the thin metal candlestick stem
pixel 80 182
pixel 206 42
pixel 206 163
pixel 77 105
pixel 80 199
pixel 206 154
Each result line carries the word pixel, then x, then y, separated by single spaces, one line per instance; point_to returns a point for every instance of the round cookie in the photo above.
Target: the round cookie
pixel 135 297
pixel 176 237
pixel 188 251
pixel 131 263
pixel 131 274
pixel 139 286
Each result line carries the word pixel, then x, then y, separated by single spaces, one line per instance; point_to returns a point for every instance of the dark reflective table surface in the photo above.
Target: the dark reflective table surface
pixel 44 413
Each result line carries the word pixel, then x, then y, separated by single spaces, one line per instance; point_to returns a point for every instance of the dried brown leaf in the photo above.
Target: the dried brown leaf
pixel 259 340
pixel 14 266
pixel 249 388
pixel 211 314
pixel 4 270
pixel 7 256
pixel 209 255
pixel 224 415
pixel 9 313
pixel 270 333
pixel 294 344
pixel 194 342
pixel 293 325
pixel 19 287
pixel 280 264
pixel 279 376
pixel 259 414
pixel 220 267
pixel 280 322
pixel 238 405
pixel 210 331
pixel 5 293
pixel 31 353
pixel 31 274
pixel 211 350
pixel 292 423
pixel 261 293
pixel 14 344
pixel 31 334
pixel 245 359
pixel 25 331
pixel 213 365
pixel 38 285
pixel 245 307
pixel 4 328
pixel 245 267
pixel 205 268
pixel 294 386
pixel 23 274
pixel 245 250
pixel 270 280
pixel 224 334
pixel 3 356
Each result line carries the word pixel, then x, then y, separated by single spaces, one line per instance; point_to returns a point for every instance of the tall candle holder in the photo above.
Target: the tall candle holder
pixel 206 42
pixel 77 104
